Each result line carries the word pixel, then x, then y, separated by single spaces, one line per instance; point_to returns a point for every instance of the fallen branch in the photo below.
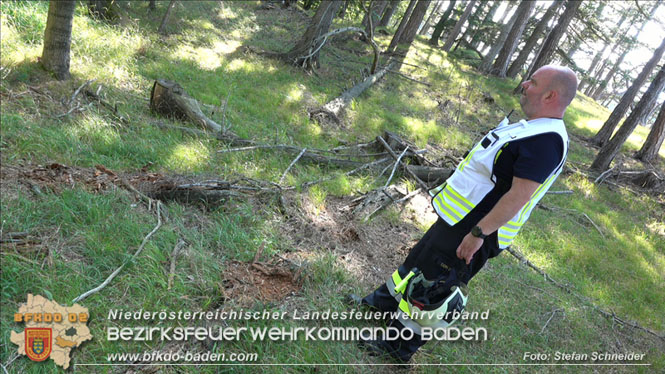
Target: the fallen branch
pixel 409 171
pixel 291 164
pixel 567 192
pixel 335 109
pixel 399 159
pixel 548 321
pixel 117 271
pixel 569 290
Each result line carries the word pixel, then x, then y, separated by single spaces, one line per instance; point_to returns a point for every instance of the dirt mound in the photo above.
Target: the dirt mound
pixel 245 283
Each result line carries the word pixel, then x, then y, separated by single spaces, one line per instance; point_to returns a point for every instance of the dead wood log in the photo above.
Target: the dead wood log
pixel 190 194
pixel 335 109
pixel 170 99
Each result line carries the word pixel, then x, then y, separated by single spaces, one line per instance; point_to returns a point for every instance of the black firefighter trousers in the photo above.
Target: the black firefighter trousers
pixel 436 248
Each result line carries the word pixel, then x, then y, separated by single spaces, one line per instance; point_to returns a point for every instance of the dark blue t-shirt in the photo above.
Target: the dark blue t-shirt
pixel 532 158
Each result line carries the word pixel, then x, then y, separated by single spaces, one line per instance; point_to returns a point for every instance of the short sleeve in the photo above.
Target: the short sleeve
pixel 537 157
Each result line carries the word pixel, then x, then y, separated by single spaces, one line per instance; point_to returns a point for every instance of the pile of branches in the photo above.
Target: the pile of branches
pixel 387 152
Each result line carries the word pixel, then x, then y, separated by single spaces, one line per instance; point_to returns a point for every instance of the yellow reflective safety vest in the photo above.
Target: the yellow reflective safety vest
pixel 474 178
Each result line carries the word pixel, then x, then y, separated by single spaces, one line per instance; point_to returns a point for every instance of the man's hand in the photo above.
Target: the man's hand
pixel 469 246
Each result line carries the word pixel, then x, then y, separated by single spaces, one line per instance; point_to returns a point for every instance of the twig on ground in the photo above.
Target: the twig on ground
pixel 291 165
pixel 548 321
pixel 71 100
pixel 392 153
pixel 567 192
pixel 362 167
pixel 594 224
pixel 258 253
pixel 604 175
pixel 569 290
pixel 391 201
pixel 117 271
pixel 174 254
pixel 395 166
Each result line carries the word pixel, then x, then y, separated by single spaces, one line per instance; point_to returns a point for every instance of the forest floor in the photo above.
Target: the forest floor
pixel 69 219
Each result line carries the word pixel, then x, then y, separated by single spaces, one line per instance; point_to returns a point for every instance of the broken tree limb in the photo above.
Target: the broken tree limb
pixel 170 99
pixel 291 165
pixel 409 171
pixel 335 109
pixel 117 271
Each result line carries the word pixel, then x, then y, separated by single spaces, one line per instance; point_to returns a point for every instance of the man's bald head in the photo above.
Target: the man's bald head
pixel 564 81
pixel 548 92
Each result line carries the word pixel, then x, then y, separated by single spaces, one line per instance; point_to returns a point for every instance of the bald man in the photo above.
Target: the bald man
pixel 481 207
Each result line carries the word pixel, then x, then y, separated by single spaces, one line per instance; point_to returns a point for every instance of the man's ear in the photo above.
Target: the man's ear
pixel 551 96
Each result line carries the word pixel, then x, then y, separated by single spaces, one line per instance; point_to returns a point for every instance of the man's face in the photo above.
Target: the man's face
pixel 533 92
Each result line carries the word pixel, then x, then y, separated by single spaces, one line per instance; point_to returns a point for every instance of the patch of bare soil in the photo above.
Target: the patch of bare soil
pixel 245 283
pixel 371 251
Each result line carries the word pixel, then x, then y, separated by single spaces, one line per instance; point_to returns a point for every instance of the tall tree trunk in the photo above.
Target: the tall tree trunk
pixel 388 13
pixel 305 53
pixel 522 16
pixel 376 9
pixel 486 64
pixel 552 40
pixel 519 62
pixel 655 138
pixel 628 47
pixel 409 33
pixel 402 24
pixel 458 26
pixel 609 151
pixel 100 8
pixel 425 27
pixel 151 5
pixel 438 29
pixel 606 131
pixel 58 38
pixel 475 38
pixel 162 26
pixel 472 24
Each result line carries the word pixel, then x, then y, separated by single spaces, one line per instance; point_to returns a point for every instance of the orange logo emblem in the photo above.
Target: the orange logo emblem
pixel 38 343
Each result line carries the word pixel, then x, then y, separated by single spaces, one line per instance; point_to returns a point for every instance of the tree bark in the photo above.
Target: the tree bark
pixel 606 131
pixel 376 8
pixel 300 53
pixel 482 26
pixel 411 28
pixel 425 26
pixel 522 15
pixel 162 25
pixel 486 64
pixel 654 141
pixel 438 28
pixel 602 84
pixel 58 38
pixel 519 62
pixel 552 40
pixel 402 24
pixel 100 8
pixel 609 151
pixel 388 13
pixel 458 26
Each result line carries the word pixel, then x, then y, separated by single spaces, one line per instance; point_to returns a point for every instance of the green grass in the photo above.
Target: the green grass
pixel 85 235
